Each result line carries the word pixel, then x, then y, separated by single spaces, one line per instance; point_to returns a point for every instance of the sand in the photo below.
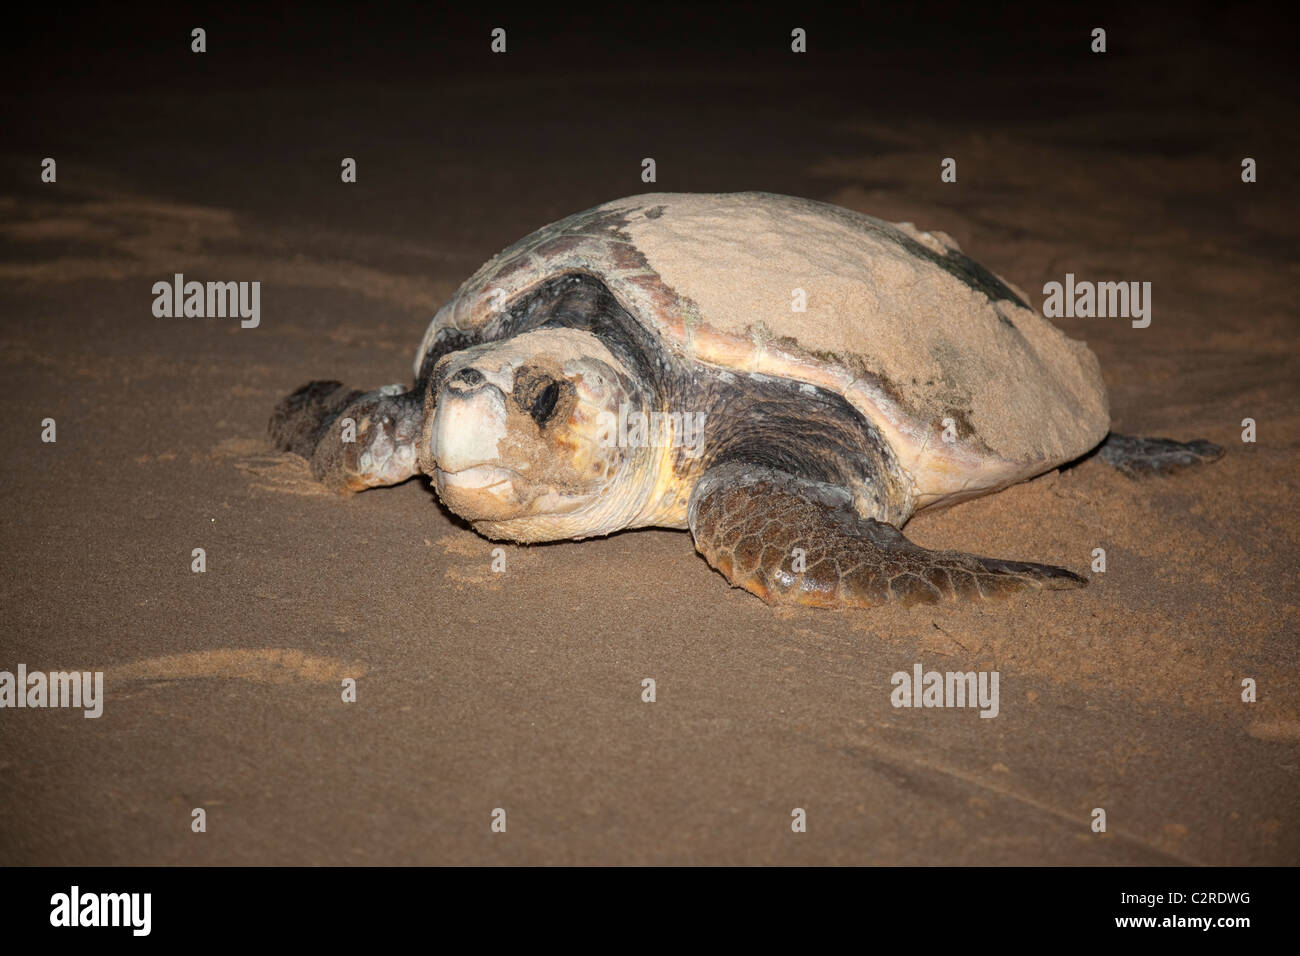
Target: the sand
pixel 522 689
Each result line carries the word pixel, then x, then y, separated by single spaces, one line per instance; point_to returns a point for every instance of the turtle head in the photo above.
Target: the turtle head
pixel 521 437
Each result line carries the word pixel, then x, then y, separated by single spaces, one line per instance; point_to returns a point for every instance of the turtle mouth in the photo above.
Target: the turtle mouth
pixel 480 492
pixel 493 493
pixel 478 477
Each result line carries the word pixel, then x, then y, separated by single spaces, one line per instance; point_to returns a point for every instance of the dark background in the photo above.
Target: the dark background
pixel 712 92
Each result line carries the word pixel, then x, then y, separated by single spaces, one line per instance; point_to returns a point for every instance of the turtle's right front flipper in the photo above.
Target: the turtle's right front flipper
pixel 791 540
pixel 354 440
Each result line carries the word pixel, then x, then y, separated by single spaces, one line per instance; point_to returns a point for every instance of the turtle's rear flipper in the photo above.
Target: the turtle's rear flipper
pixel 790 540
pixel 1144 457
pixel 354 440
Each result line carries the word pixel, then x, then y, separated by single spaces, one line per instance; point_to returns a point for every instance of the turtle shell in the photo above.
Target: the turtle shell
pixel 972 389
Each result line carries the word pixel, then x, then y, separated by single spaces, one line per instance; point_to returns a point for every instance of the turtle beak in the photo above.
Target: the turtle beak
pixel 468 426
pixel 469 422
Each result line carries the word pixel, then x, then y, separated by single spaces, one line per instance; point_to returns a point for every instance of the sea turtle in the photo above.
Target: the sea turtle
pixel 788 379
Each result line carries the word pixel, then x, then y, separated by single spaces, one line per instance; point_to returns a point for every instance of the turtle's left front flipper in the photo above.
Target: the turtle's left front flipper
pixel 353 439
pixel 791 540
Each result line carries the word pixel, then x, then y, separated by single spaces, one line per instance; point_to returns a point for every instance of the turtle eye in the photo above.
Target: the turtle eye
pixel 543 406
